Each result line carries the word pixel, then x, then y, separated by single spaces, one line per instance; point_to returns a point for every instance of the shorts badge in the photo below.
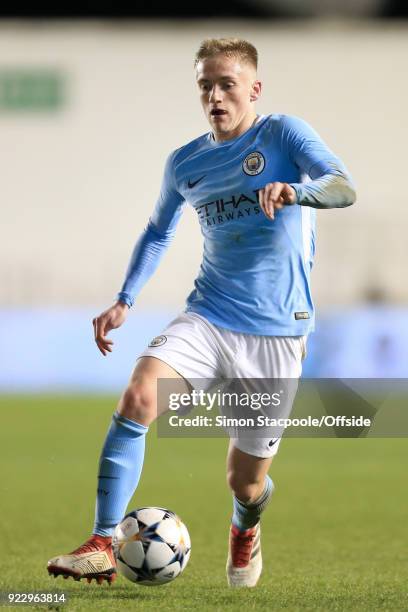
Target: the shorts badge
pixel 158 341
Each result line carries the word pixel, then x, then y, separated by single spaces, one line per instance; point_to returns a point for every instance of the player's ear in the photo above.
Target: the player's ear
pixel 256 89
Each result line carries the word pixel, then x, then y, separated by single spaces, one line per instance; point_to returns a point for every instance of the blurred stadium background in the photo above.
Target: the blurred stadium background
pixel 89 110
pixel 93 96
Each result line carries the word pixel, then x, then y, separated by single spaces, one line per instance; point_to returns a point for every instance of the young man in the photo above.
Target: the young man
pixel 251 307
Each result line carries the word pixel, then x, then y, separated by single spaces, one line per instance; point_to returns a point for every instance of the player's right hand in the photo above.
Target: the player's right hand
pixel 111 318
pixel 274 196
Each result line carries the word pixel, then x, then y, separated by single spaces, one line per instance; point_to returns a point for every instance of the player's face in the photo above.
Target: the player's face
pixel 228 91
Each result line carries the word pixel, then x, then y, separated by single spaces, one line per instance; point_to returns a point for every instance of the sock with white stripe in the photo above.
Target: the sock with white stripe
pixel 245 515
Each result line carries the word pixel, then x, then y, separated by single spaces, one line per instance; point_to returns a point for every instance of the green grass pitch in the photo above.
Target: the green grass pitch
pixel 334 536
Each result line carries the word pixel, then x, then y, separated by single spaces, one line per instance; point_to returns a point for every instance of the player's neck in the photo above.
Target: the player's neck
pixel 243 127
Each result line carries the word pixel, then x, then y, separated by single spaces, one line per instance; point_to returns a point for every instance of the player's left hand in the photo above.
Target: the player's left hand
pixel 274 196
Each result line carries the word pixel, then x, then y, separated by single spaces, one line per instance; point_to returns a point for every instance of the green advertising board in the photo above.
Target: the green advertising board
pixel 31 89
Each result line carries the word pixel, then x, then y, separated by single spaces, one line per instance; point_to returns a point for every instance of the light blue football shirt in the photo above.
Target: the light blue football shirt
pixel 255 273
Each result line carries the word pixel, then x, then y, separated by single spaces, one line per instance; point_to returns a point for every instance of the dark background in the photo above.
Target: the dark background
pixel 233 8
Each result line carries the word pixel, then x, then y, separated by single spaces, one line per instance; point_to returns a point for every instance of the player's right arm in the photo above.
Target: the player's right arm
pixel 146 256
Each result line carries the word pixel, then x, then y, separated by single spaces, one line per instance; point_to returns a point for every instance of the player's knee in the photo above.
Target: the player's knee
pixel 138 403
pixel 245 489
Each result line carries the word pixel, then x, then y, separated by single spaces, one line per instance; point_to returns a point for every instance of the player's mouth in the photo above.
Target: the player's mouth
pixel 218 112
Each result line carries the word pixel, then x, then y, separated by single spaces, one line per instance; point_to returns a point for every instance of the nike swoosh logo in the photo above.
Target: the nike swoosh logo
pixel 193 184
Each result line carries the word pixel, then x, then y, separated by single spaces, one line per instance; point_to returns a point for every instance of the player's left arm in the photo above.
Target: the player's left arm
pixel 331 185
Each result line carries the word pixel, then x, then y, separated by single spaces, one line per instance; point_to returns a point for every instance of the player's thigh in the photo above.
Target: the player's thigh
pixel 141 400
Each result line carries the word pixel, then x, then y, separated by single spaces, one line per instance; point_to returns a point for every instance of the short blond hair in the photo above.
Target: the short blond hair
pixel 231 47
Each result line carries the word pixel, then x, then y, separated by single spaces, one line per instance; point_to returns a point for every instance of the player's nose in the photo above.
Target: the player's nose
pixel 215 94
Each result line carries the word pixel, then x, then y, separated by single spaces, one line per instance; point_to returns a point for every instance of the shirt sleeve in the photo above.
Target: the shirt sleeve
pixel 331 185
pixel 156 237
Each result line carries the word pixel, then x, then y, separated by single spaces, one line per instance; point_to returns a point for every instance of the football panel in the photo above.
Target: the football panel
pixel 126 571
pixel 168 573
pixel 185 559
pixel 148 516
pixel 126 529
pixel 133 553
pixel 170 531
pixel 158 555
pixel 185 536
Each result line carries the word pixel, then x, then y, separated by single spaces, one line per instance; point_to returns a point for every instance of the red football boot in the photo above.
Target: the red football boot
pixel 94 559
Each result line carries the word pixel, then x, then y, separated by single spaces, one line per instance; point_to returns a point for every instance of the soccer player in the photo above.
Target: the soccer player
pixel 254 182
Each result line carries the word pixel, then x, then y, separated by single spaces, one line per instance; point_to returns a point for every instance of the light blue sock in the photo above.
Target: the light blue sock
pixel 120 467
pixel 246 516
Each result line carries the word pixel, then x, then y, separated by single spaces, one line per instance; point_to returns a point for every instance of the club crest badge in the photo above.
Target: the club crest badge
pixel 254 163
pixel 158 341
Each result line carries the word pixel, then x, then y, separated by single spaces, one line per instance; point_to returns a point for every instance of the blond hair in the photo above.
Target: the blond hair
pixel 231 47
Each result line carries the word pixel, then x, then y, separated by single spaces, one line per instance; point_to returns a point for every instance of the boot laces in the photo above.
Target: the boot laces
pixel 241 548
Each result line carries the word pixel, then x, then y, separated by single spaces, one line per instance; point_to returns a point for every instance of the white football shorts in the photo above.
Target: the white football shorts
pixel 197 349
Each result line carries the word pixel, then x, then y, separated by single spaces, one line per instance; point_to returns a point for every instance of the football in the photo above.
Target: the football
pixel 151 545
